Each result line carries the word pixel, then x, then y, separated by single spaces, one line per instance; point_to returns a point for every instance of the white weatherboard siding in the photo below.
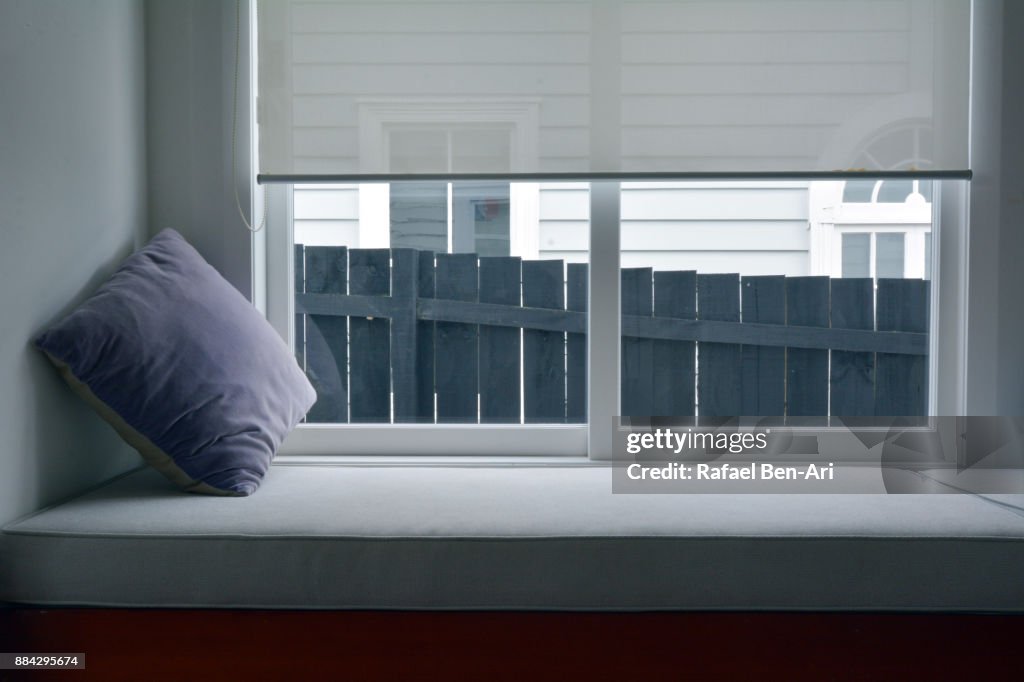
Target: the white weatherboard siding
pixel 326 215
pixel 745 227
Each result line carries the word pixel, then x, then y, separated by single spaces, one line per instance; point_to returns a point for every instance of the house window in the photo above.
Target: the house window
pixel 896 191
pixel 872 228
pixel 875 254
pixel 608 93
pixel 856 254
pixel 889 250
pixel 440 135
pixel 440 149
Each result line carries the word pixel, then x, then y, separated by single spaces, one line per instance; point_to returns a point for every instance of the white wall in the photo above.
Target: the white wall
pixel 190 53
pixel 72 205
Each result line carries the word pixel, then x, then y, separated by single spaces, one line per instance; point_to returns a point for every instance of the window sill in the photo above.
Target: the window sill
pixel 436 461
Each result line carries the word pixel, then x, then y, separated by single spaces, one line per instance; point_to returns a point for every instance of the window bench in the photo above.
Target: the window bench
pixel 551 537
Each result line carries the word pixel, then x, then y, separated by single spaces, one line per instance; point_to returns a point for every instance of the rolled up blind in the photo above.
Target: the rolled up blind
pixel 580 88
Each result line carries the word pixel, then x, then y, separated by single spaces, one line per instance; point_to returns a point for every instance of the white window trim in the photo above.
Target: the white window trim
pixel 524 217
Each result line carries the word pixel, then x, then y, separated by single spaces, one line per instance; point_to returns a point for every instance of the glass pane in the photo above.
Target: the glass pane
pixel 925 189
pixel 738 253
pixel 480 218
pixel 889 255
pixel 856 255
pixel 388 278
pixel 895 191
pixel 418 213
pixel 858 191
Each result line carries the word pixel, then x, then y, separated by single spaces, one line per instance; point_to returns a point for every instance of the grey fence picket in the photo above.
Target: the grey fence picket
pixel 326 272
pixel 500 347
pixel 674 362
pixel 404 327
pixel 637 355
pixel 807 369
pixel 852 374
pixel 456 344
pixel 425 344
pixel 544 351
pixel 719 390
pixel 576 346
pixel 764 367
pixel 369 339
pixel 901 384
pixel 415 337
pixel 300 319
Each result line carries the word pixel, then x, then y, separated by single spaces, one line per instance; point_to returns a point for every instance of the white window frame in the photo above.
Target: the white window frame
pixel 412 440
pixel 592 441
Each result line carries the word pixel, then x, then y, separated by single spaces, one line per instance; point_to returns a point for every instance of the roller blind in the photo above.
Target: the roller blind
pixel 578 88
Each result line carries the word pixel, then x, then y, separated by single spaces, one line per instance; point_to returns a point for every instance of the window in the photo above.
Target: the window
pixel 439 249
pixel 738 253
pixel 873 228
pixel 875 254
pixel 555 112
pixel 857 254
pixel 412 135
pixel 730 251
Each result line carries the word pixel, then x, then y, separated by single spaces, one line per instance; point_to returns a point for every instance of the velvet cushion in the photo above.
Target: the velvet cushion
pixel 184 367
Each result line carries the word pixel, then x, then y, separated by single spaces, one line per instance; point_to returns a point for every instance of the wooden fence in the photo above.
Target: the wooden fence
pixel 407 336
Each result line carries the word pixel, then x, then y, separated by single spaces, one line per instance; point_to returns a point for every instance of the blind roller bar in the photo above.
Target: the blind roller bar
pixel 271 178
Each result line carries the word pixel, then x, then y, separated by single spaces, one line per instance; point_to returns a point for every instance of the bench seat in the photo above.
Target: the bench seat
pixel 518 537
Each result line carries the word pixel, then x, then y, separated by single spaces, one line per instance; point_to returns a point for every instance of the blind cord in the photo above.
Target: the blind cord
pixel 234 130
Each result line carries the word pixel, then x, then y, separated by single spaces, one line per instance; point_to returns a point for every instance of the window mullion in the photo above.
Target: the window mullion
pixel 603 336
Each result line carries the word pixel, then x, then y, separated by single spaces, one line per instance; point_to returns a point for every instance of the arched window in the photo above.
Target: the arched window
pixel 875 228
pixel 893 191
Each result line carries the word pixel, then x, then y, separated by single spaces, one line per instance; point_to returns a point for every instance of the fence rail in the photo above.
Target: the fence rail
pixel 411 336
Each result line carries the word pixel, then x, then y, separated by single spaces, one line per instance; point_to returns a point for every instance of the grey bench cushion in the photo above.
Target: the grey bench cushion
pixel 512 537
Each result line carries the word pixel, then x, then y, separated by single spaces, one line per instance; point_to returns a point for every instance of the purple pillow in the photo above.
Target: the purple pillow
pixel 184 368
